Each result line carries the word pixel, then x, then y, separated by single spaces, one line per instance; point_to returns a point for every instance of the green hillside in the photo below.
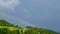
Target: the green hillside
pixel 41 30
pixel 8 28
pixel 5 23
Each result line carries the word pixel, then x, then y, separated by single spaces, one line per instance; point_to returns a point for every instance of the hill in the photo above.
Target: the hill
pixel 8 28
pixel 42 30
pixel 5 23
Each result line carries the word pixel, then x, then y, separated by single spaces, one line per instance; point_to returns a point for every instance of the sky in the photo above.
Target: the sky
pixel 40 13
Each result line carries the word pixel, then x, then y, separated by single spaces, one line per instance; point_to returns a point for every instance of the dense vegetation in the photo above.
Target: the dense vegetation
pixel 7 28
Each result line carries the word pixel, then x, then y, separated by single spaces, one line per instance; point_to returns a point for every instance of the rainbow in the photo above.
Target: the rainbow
pixel 19 19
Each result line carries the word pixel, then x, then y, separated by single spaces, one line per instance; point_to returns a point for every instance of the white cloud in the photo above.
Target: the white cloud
pixel 10 4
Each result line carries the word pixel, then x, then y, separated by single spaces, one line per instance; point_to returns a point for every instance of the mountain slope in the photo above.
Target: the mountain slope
pixel 8 28
pixel 42 30
pixel 5 23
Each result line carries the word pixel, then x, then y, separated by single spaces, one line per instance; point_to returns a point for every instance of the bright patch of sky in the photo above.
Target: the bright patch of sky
pixel 9 4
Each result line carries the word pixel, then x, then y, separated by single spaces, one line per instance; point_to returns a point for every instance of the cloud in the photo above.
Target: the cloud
pixel 10 4
pixel 27 12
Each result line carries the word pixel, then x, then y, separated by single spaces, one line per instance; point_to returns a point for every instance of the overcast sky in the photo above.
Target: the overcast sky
pixel 41 13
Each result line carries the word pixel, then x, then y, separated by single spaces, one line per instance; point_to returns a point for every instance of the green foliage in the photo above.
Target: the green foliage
pixel 28 32
pixel 7 28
